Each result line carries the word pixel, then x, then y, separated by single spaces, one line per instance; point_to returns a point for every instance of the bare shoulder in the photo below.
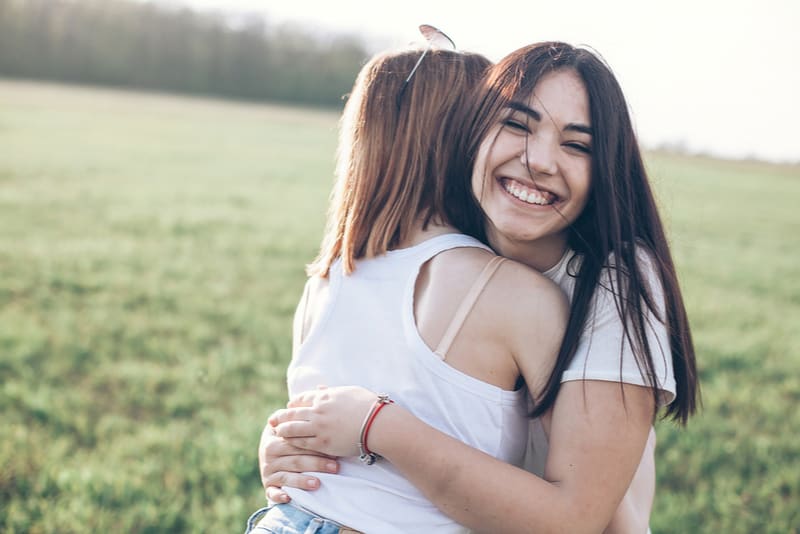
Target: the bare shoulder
pixel 535 312
pixel 525 290
pixel 514 288
pixel 459 258
pixel 514 326
pixel 445 279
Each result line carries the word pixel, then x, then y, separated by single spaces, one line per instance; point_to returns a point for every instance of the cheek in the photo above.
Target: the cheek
pixel 480 178
pixel 477 186
pixel 481 187
pixel 581 187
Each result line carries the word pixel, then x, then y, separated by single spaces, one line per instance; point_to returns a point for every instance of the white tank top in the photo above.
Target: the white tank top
pixel 367 336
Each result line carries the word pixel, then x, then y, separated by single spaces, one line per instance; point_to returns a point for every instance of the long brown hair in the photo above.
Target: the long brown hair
pixel 620 217
pixel 392 152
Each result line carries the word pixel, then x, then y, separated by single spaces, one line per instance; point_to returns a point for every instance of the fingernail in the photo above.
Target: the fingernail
pixel 312 483
pixel 331 466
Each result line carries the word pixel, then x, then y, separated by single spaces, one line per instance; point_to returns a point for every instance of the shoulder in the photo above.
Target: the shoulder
pixel 644 260
pixel 648 272
pixel 462 257
pixel 528 287
pixel 533 307
pixel 512 288
pixel 533 312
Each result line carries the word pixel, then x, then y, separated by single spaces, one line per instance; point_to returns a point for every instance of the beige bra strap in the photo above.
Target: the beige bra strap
pixel 466 306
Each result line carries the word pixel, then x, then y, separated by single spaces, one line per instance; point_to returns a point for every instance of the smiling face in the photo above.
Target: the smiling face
pixel 532 174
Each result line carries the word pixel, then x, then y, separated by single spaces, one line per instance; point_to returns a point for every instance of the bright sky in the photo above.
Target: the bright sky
pixel 718 76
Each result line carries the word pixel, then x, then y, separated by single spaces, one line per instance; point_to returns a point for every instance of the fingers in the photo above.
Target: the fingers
pixel 277 449
pixel 305 443
pixel 288 480
pixel 277 495
pixel 280 461
pixel 290 414
pixel 295 429
pixel 297 463
pixel 289 471
pixel 306 398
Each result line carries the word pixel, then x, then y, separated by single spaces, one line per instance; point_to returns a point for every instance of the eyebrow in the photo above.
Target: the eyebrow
pixel 535 115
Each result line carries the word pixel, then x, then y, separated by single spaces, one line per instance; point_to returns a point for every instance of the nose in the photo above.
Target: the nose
pixel 539 156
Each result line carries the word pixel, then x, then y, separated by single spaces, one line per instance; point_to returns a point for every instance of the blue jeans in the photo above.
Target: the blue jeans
pixel 290 519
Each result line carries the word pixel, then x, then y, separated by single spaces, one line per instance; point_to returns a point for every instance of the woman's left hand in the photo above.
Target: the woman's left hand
pixel 325 420
pixel 282 465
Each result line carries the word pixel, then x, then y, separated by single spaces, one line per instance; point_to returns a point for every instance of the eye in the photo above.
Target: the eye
pixel 580 147
pixel 515 124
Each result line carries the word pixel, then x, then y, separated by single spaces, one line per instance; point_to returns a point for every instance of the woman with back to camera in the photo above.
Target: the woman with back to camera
pixel 550 159
pixel 400 301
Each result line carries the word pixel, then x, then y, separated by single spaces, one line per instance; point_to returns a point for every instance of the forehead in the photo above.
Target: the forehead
pixel 562 95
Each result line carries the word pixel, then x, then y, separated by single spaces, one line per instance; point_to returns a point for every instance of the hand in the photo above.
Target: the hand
pixel 326 420
pixel 281 464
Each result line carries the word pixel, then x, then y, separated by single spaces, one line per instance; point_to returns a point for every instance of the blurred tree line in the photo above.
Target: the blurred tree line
pixel 141 45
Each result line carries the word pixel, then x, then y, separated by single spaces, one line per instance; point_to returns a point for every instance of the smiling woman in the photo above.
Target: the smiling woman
pixel 533 173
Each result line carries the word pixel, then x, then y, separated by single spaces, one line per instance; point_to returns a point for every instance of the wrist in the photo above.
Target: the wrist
pixel 387 430
pixel 366 455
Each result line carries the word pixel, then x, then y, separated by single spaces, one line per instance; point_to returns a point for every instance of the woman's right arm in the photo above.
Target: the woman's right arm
pixel 282 464
pixel 596 441
pixel 633 514
pixel 598 433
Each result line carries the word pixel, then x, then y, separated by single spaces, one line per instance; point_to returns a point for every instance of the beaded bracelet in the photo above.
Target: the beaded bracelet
pixel 367 456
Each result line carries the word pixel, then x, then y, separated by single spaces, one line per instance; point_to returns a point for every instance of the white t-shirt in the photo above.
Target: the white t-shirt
pixel 603 351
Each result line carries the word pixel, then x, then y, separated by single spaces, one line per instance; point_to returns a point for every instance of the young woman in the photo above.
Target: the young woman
pixel 401 302
pixel 550 159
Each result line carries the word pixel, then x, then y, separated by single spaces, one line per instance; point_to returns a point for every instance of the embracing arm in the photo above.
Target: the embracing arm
pixel 633 514
pixel 596 443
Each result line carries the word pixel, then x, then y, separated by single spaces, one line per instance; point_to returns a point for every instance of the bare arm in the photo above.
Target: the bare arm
pixel 633 514
pixel 596 443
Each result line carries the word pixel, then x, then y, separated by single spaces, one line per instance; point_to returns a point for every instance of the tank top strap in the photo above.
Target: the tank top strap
pixel 466 306
pixel 435 245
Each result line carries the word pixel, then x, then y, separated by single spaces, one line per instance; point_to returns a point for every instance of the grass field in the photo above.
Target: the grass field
pixel 151 255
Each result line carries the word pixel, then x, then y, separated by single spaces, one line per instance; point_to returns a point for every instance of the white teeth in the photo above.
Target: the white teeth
pixel 531 197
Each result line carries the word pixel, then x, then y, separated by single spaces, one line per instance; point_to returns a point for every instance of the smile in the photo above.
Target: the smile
pixel 527 194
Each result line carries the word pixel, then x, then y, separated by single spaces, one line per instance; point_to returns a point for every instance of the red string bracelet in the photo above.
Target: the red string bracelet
pixel 367 456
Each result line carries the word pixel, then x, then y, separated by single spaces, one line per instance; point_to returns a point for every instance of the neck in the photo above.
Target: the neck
pixel 543 254
pixel 419 234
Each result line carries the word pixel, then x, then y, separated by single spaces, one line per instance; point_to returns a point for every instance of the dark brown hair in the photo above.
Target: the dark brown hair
pixel 620 217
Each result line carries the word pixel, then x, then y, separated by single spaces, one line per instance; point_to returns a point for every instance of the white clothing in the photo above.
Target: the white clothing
pixel 367 336
pixel 603 351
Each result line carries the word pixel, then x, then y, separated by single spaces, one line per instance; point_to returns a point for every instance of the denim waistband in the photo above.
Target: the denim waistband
pixel 290 518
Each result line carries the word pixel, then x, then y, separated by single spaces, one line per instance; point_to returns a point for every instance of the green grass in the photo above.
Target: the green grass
pixel 151 255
